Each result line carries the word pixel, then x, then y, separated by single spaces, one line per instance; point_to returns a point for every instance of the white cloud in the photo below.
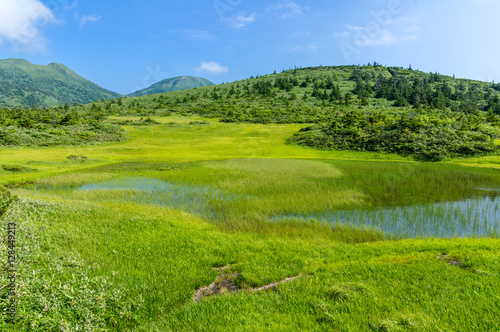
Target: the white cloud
pixel 309 47
pixel 413 28
pixel 356 28
pixel 21 22
pixel 384 37
pixel 288 10
pixel 241 20
pixel 72 5
pixel 211 68
pixel 364 36
pixel 198 34
pixel 203 35
pixel 84 19
pixel 410 38
pixel 343 34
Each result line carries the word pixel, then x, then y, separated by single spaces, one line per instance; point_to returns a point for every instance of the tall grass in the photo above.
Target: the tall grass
pixel 251 194
pixel 129 218
pixel 478 217
pixel 153 259
pixel 56 290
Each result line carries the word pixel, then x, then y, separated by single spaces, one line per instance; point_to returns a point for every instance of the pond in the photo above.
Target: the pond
pixel 143 190
pixel 475 217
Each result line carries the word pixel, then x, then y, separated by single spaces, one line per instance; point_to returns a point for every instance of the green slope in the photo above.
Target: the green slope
pixel 25 84
pixel 368 108
pixel 313 95
pixel 173 84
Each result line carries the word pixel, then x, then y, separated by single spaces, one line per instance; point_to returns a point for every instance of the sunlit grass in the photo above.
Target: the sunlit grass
pixel 160 256
pixel 252 194
pixel 186 143
pixel 155 214
pixel 175 144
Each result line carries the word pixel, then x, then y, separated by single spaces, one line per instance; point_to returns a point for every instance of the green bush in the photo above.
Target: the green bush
pixel 53 127
pixel 17 168
pixel 429 136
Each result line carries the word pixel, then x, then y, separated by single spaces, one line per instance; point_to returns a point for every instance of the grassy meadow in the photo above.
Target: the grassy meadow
pixel 120 236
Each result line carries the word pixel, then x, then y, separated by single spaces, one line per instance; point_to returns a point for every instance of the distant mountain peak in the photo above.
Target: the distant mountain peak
pixel 173 84
pixel 25 84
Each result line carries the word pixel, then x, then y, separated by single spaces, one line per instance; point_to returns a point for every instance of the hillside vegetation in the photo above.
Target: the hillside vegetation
pixel 123 237
pixel 430 136
pixel 284 202
pixel 54 127
pixel 173 84
pixel 370 108
pixel 311 95
pixel 25 84
pixel 431 117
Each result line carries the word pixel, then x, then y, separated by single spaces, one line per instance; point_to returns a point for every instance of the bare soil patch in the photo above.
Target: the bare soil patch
pixel 224 284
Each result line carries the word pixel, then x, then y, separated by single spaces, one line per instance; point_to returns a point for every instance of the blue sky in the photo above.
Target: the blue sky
pixel 130 44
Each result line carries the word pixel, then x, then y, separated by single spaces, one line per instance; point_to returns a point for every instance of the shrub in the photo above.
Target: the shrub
pixel 427 136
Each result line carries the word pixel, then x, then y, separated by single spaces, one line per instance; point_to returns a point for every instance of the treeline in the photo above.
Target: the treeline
pixel 55 126
pixel 429 136
pixel 428 91
pixel 310 94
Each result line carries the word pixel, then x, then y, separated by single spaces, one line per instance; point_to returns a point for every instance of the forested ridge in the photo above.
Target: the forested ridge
pixel 371 108
pixel 311 95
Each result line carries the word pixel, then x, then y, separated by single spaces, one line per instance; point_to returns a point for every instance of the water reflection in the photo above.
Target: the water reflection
pixel 478 217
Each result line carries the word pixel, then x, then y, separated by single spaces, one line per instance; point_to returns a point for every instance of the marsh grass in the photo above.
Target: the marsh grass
pixel 194 199
pixel 479 217
pixel 74 180
pixel 400 200
pixel 155 255
pixel 155 258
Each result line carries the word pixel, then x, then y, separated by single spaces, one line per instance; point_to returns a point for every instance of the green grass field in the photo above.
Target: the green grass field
pixel 123 239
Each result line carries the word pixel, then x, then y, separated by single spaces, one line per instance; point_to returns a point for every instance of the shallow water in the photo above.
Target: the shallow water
pixel 478 217
pixel 142 190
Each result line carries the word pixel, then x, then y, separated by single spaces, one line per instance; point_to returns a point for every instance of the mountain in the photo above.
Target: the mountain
pixel 173 84
pixel 25 84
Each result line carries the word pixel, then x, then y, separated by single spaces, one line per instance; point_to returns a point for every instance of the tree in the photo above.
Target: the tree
pixel 363 101
pixel 335 94
pixel 494 105
pixel 347 99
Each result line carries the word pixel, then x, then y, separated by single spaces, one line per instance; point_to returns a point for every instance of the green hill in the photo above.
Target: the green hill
pixel 173 84
pixel 315 94
pixel 25 84
pixel 368 108
pixel 363 108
